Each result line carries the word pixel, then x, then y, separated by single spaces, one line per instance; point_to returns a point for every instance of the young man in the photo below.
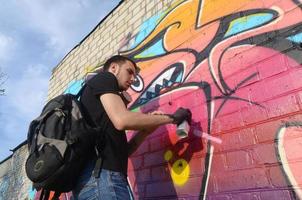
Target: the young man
pixel 106 107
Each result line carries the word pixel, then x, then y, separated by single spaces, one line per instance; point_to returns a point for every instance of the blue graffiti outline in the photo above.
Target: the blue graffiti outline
pixel 245 23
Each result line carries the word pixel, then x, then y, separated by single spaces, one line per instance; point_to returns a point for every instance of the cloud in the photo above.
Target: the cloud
pixel 59 20
pixel 7 44
pixel 23 102
pixel 30 91
pixel 34 36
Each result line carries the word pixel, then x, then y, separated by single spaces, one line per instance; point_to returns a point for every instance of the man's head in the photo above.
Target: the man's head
pixel 124 69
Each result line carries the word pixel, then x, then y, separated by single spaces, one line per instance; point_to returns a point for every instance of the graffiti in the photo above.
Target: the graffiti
pixel 4 186
pixel 288 143
pixel 231 65
pixel 238 69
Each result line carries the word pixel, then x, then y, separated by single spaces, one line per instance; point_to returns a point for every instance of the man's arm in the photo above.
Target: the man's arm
pixel 140 136
pixel 123 119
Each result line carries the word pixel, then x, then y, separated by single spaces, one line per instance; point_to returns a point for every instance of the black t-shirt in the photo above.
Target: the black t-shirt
pixel 115 151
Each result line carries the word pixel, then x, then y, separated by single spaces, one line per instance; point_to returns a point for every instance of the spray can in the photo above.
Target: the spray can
pixel 183 129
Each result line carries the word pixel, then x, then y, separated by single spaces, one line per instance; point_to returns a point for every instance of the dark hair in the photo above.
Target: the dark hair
pixel 119 59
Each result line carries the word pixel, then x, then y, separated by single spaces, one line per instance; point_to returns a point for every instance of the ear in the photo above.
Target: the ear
pixel 113 68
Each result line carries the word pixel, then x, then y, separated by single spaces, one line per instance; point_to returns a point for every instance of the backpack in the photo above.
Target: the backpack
pixel 60 142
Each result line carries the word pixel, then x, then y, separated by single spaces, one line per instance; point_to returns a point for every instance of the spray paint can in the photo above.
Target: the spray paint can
pixel 183 129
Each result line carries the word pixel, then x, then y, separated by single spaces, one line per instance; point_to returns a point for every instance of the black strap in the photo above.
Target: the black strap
pixel 98 167
pixel 81 91
pixel 69 106
pixel 44 194
pixel 56 196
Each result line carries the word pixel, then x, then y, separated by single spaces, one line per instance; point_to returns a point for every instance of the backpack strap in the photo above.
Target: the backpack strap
pixel 99 162
pixel 99 147
pixel 69 106
pixel 98 165
pixel 44 194
pixel 56 196
pixel 79 94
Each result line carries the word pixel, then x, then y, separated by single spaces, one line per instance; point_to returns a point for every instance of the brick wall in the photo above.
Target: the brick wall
pixel 236 65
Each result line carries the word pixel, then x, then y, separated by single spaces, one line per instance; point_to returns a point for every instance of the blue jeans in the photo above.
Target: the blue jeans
pixel 109 186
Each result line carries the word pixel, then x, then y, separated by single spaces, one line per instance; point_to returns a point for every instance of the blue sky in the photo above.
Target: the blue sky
pixel 34 36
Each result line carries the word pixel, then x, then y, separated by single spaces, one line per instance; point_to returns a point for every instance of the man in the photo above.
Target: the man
pixel 106 107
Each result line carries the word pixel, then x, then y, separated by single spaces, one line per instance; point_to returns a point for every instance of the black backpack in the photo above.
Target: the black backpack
pixel 60 142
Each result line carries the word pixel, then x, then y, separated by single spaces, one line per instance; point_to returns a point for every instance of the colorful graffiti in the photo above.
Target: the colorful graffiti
pixel 237 66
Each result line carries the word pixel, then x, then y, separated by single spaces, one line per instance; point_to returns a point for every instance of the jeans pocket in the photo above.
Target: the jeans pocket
pixel 118 177
pixel 119 186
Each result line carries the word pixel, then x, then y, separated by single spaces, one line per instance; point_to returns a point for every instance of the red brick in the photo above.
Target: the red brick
pixel 295 118
pixel 229 106
pixel 279 84
pixel 161 173
pixel 264 153
pixel 154 158
pixel 296 75
pixel 242 179
pixel 143 148
pixel 247 137
pixel 216 126
pixel 166 189
pixel 253 114
pixel 255 54
pixel 220 197
pixel 237 139
pixel 238 78
pixel 219 163
pixel 272 66
pixel 281 106
pixel 229 141
pixel 142 175
pixel 275 194
pixel 267 131
pixel 160 189
pixel 254 93
pixel 139 191
pixel 277 176
pixel 245 196
pixel 136 161
pixel 238 160
pixel 197 166
pixel 156 144
pixel 300 99
pixel 230 121
pixel 159 132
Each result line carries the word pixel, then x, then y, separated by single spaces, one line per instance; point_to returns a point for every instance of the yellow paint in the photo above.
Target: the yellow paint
pixel 180 172
pixel 168 155
pixel 89 69
pixel 213 10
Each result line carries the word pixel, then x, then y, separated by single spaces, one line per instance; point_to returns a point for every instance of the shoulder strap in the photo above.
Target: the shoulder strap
pixel 56 196
pixel 44 195
pixel 81 91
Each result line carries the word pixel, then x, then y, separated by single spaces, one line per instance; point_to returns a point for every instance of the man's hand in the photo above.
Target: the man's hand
pixel 180 115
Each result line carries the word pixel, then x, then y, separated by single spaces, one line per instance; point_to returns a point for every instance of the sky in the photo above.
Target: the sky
pixel 35 35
